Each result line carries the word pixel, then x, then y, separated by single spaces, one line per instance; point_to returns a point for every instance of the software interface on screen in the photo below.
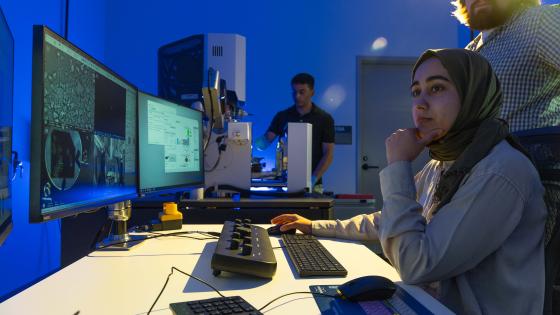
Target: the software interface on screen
pixel 6 96
pixel 89 130
pixel 170 144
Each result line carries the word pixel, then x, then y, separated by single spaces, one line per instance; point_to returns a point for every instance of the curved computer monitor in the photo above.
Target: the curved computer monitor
pixel 83 131
pixel 6 123
pixel 170 141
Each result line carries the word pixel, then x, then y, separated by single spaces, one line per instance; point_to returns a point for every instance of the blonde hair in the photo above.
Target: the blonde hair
pixel 462 14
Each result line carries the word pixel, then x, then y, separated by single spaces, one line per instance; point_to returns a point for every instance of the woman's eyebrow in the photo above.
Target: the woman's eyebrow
pixel 431 78
pixel 437 77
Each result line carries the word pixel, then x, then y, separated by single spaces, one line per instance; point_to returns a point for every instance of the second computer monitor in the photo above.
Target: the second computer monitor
pixel 170 146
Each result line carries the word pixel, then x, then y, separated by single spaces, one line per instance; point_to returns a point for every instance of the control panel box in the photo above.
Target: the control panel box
pixel 244 248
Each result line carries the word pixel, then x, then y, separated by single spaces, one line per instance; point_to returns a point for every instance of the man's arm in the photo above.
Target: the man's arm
pixel 326 160
pixel 264 141
pixel 327 142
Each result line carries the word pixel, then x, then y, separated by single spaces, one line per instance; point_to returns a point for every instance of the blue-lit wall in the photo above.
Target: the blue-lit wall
pixel 284 38
pixel 33 250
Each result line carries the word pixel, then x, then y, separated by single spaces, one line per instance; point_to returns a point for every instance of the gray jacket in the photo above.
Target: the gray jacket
pixel 484 250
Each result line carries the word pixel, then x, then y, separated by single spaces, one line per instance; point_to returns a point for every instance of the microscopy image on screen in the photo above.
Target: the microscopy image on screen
pixel 63 149
pixel 110 155
pixel 89 131
pixel 110 112
pixel 69 91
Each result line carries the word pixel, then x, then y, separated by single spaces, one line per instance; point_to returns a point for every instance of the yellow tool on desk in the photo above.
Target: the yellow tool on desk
pixel 170 218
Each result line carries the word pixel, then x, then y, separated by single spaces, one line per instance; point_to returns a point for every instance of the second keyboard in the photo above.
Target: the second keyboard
pixel 310 257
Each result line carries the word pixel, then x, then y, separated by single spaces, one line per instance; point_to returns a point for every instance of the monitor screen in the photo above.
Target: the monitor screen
pixel 6 97
pixel 170 145
pixel 84 133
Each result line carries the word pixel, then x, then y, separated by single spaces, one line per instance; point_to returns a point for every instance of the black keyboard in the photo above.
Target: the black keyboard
pixel 310 257
pixel 216 306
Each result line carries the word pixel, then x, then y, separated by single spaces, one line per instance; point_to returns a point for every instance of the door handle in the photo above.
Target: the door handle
pixel 366 166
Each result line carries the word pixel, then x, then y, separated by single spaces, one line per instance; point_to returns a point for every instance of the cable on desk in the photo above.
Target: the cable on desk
pixel 194 277
pixel 124 242
pixel 278 247
pixel 211 234
pixel 217 234
pixel 185 236
pixel 149 228
pixel 301 292
pixel 157 235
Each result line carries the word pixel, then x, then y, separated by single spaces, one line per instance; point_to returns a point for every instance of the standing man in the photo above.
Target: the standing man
pixel 521 40
pixel 304 110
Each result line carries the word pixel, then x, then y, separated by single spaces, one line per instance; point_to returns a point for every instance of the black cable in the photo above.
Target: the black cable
pixel 215 164
pixel 278 247
pixel 301 292
pixel 146 228
pixel 103 230
pixel 216 234
pixel 185 236
pixel 210 127
pixel 124 242
pixel 147 238
pixel 167 280
pixel 220 150
pixel 211 111
pixel 161 235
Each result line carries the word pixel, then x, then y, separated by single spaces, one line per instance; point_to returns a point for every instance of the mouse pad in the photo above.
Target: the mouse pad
pixel 400 303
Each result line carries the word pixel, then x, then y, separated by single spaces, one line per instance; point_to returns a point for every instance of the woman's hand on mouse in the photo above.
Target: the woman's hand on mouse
pixel 406 145
pixel 293 221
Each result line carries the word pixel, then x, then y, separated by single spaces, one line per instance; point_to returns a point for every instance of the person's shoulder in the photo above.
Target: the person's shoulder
pixel 550 15
pixel 504 152
pixel 285 112
pixel 540 11
pixel 554 8
pixel 322 112
pixel 508 162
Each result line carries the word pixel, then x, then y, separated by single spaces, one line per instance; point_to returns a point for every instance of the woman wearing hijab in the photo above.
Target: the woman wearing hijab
pixel 470 224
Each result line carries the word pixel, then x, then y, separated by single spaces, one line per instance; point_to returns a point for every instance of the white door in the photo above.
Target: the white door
pixel 384 105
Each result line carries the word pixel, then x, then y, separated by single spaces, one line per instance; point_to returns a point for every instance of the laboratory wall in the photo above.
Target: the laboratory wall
pixel 285 37
pixel 32 251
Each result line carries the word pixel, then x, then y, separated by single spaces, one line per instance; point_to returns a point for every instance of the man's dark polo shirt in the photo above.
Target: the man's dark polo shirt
pixel 323 128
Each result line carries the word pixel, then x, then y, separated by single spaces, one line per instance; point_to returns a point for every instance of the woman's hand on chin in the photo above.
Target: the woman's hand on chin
pixel 407 144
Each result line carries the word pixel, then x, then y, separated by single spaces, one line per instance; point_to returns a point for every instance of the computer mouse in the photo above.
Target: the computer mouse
pixel 367 288
pixel 275 230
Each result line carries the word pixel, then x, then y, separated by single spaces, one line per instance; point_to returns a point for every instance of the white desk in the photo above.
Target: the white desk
pixel 128 282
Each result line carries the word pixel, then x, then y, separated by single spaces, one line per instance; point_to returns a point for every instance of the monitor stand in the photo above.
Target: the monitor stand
pixel 119 213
